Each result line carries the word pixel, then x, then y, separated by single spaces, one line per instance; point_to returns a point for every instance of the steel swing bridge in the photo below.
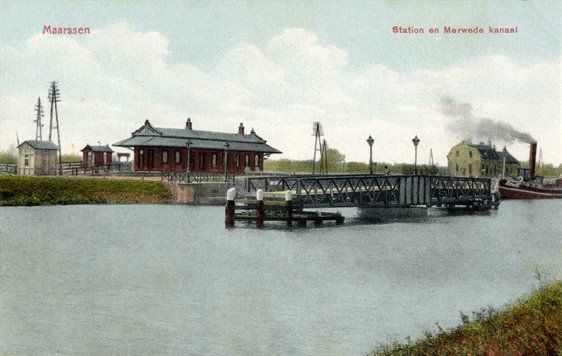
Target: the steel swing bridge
pixel 380 191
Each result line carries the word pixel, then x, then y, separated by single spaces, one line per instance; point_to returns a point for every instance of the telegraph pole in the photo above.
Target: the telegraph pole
pixel 431 163
pixel 39 125
pixel 54 98
pixel 324 158
pixel 317 131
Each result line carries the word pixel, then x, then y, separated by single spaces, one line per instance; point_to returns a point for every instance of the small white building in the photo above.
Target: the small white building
pixel 37 158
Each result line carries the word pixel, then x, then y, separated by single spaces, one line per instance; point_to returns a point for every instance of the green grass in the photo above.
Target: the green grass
pixel 19 190
pixel 531 326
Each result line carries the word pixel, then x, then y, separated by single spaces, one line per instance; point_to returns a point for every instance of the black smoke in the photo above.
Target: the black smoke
pixel 464 123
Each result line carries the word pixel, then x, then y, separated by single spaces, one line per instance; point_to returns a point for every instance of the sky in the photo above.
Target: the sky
pixel 280 66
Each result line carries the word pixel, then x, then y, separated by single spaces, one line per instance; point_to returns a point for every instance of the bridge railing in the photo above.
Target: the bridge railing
pixel 375 190
pixel 446 190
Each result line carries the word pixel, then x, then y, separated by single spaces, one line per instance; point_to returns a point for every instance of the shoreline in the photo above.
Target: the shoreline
pixel 38 191
pixel 531 325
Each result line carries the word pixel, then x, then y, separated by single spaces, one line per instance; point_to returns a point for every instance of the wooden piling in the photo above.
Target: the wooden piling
pixel 230 208
pixel 260 211
pixel 339 219
pixel 289 208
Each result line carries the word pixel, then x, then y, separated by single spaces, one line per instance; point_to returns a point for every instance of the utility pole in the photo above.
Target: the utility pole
pixel 54 98
pixel 39 125
pixel 324 158
pixel 431 163
pixel 317 131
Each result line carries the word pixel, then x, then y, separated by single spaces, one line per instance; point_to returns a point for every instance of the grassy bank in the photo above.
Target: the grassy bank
pixel 532 326
pixel 18 190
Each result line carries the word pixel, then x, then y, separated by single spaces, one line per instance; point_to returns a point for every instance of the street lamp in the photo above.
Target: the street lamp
pixel 370 141
pixel 188 147
pixel 416 141
pixel 226 147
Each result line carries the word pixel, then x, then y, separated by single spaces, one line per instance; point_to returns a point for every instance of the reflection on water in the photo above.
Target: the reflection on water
pixel 149 279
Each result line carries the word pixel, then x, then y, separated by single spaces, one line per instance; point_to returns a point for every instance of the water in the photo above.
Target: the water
pixel 149 279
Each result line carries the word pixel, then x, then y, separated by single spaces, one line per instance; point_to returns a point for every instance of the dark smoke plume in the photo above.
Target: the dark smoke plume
pixel 479 128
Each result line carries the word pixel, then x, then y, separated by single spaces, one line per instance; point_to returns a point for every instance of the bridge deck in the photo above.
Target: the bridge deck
pixel 364 190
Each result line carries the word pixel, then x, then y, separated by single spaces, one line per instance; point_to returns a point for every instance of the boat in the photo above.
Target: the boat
pixel 528 185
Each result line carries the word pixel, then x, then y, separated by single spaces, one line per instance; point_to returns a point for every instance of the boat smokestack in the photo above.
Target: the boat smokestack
pixel 533 159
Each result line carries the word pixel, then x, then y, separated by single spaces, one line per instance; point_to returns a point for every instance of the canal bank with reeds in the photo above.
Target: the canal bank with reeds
pixel 531 326
pixel 27 191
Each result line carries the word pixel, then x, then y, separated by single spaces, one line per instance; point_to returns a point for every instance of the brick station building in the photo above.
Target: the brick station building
pixel 167 150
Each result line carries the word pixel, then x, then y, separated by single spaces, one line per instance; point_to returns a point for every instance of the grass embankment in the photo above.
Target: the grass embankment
pixel 532 326
pixel 17 190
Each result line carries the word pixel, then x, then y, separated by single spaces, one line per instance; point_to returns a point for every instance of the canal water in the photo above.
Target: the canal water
pixel 150 279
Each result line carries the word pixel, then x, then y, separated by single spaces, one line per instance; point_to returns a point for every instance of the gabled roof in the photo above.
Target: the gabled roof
pixel 508 157
pixel 486 151
pixel 40 145
pixel 105 148
pixel 149 135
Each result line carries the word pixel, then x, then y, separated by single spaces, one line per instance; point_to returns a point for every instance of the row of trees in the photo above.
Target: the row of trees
pixel 337 164
pixel 11 157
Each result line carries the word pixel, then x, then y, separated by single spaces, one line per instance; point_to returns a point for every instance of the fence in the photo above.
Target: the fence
pixel 197 177
pixel 8 168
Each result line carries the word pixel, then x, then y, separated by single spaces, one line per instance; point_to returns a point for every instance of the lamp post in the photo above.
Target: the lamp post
pixel 226 147
pixel 416 141
pixel 370 141
pixel 188 147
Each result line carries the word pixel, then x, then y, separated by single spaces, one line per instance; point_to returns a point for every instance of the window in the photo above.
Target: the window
pixel 202 160
pixel 164 156
pixel 256 160
pixel 246 161
pixel 177 157
pixel 27 160
pixel 470 154
pixel 457 153
pixel 470 169
pixel 214 160
pixel 237 160
pixel 457 167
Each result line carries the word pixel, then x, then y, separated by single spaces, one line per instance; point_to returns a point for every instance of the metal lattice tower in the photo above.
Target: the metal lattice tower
pixel 324 158
pixel 431 163
pixel 39 125
pixel 317 132
pixel 54 98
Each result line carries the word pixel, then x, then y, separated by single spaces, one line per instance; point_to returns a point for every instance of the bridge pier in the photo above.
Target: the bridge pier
pixel 260 211
pixel 289 208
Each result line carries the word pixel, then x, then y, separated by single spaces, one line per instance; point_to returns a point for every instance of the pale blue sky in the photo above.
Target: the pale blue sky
pixel 200 32
pixel 284 64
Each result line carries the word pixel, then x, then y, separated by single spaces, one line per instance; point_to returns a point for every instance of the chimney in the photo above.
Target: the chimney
pixel 188 124
pixel 533 159
pixel 489 142
pixel 241 129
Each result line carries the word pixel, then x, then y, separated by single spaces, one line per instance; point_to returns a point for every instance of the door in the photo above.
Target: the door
pixel 149 159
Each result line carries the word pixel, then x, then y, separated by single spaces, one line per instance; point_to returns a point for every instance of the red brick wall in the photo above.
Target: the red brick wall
pixel 201 160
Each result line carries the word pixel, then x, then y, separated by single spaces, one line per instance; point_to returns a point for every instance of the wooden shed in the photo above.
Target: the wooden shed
pixel 37 158
pixel 96 155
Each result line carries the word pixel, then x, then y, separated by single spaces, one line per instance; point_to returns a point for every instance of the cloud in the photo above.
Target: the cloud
pixel 118 76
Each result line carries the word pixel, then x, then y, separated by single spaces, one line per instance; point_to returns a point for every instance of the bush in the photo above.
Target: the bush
pixel 18 190
pixel 7 157
pixel 532 326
